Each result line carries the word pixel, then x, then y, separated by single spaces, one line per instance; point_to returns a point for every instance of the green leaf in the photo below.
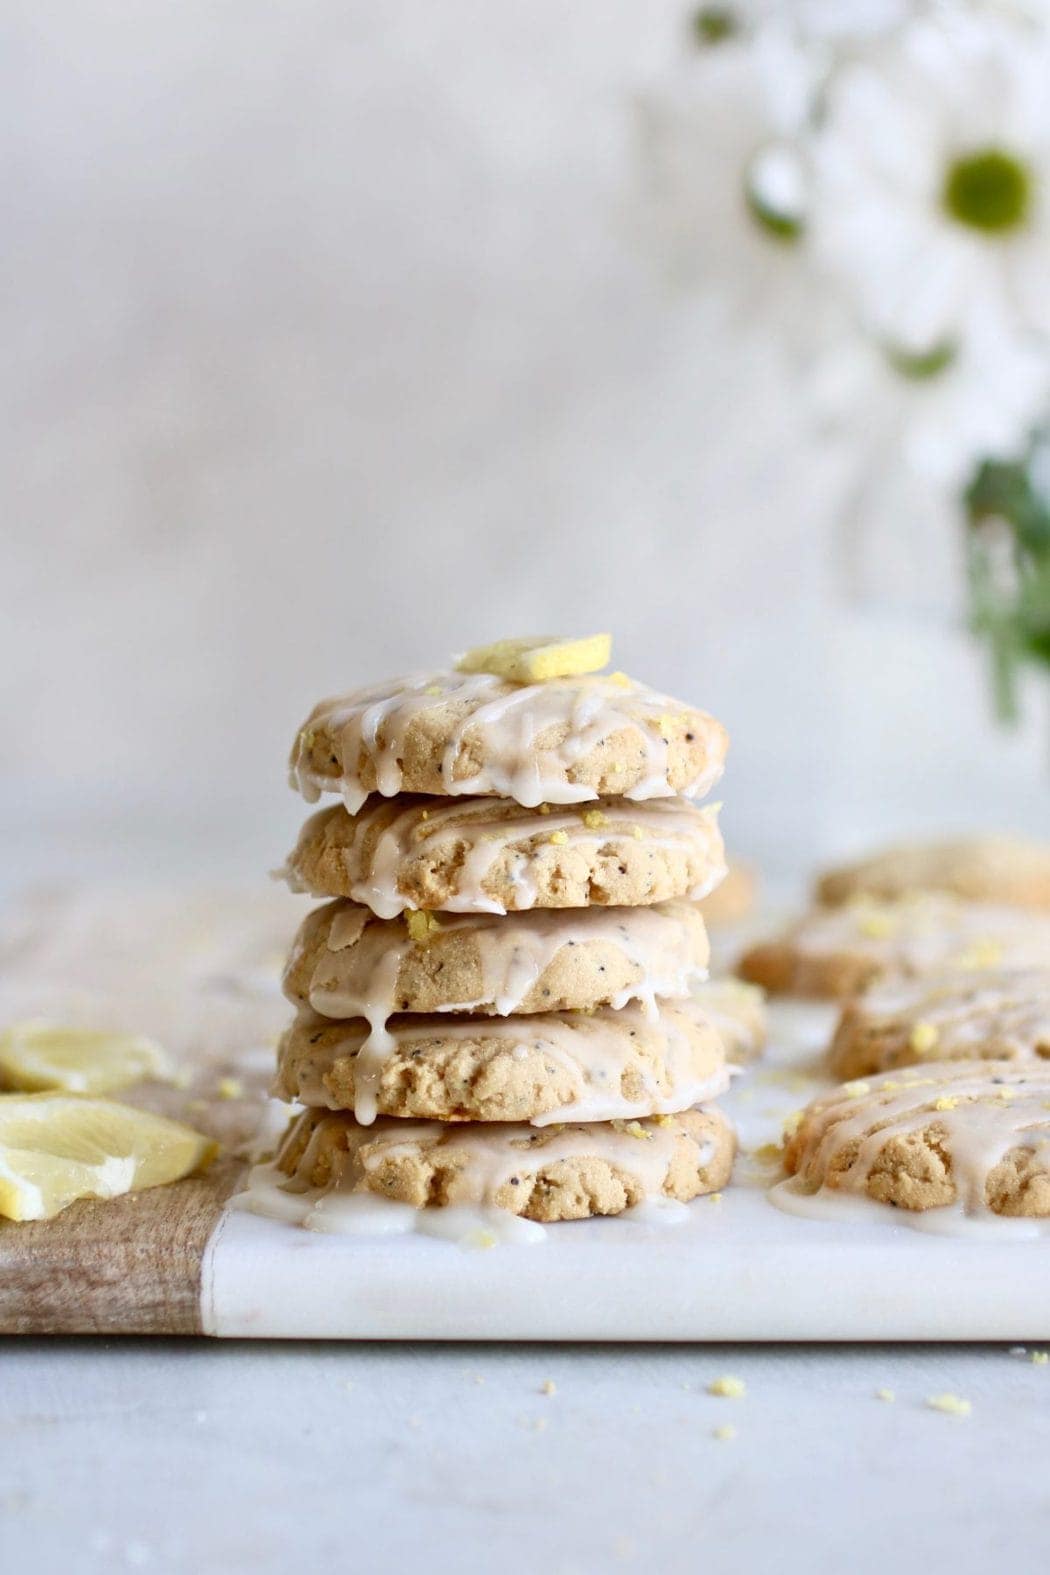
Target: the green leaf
pixel 1003 489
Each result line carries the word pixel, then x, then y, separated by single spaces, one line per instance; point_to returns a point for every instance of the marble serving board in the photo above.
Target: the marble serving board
pixel 192 1259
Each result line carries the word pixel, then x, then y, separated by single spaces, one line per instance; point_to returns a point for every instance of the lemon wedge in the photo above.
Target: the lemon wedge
pixel 56 1148
pixel 39 1055
pixel 531 661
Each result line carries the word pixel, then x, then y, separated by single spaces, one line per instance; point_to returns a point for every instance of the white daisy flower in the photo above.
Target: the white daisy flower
pixel 724 185
pixel 811 22
pixel 937 416
pixel 930 198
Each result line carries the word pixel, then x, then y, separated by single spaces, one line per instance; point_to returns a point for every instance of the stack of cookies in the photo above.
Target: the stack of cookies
pixel 494 1004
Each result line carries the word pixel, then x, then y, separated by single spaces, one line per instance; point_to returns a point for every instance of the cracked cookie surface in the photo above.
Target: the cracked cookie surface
pixel 491 855
pixel 997 1014
pixel 974 1133
pixel 559 1173
pixel 345 962
pixel 565 740
pixel 834 952
pixel 551 1067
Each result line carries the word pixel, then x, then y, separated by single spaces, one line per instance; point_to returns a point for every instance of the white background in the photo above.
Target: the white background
pixel 334 342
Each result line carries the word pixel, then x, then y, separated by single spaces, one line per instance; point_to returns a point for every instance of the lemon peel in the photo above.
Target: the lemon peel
pixel 536 659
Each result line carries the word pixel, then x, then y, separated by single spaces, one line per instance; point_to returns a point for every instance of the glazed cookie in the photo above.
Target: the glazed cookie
pixel 572 1067
pixel 562 1173
pixel 834 952
pixel 488 855
pixel 347 963
pixel 997 1015
pixel 738 1011
pixel 564 741
pixel 732 899
pixel 976 1133
pixel 981 869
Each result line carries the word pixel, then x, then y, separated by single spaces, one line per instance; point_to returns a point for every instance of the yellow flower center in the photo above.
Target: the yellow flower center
pixel 990 190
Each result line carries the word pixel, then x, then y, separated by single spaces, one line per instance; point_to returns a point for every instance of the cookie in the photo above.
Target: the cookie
pixel 738 1011
pixel 980 869
pixel 347 963
pixel 560 1173
pixel 997 1014
pixel 570 1067
pixel 732 899
pixel 976 1133
pixel 486 855
pixel 564 741
pixel 834 952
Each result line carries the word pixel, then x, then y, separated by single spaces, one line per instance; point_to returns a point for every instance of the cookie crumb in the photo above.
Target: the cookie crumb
pixel 1039 1358
pixel 714 1197
pixel 951 1405
pixel 727 1386
pixel 885 1394
pixel 421 926
pixel 923 1038
pixel 726 1432
pixel 548 1387
pixel 632 1129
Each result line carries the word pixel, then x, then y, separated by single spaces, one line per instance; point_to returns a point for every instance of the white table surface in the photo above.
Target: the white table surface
pixel 213 1458
pixel 196 1457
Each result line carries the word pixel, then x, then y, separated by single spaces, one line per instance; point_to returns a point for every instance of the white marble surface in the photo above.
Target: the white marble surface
pixel 216 1460
pixel 735 1266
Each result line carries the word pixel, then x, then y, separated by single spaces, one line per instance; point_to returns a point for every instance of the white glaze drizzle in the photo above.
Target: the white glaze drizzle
pixel 511 727
pixel 592 1048
pixel 341 1211
pixel 832 1207
pixel 356 974
pixel 495 1153
pixel 995 1014
pixel 483 832
pixel 987 1109
pixel 928 932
